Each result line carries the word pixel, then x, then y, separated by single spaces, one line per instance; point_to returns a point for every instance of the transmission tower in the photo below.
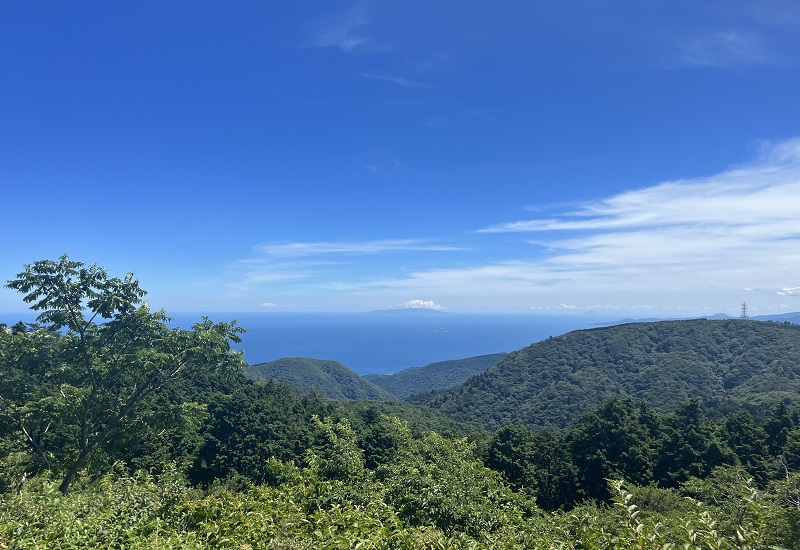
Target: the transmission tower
pixel 744 310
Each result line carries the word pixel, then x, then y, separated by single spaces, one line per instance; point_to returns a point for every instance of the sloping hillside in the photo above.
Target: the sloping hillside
pixel 435 376
pixel 330 378
pixel 554 381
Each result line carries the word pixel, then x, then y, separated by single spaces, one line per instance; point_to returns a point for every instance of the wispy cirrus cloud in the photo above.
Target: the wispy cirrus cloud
pixel 762 198
pixel 726 48
pixel 696 246
pixel 399 80
pixel 286 249
pixel 297 269
pixel 595 307
pixel 344 31
pixel 678 246
pixel 737 229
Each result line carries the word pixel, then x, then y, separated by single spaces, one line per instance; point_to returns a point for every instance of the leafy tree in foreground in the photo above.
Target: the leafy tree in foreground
pixel 100 357
pixel 440 482
pixel 536 462
pixel 609 442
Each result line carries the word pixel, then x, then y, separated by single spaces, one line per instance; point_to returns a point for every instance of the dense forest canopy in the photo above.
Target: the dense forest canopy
pixel 331 378
pixel 553 382
pixel 118 431
pixel 434 376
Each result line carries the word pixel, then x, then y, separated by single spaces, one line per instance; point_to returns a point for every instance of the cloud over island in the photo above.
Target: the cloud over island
pixel 419 304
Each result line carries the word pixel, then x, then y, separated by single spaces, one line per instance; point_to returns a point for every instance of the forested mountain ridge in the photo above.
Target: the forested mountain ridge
pixel 434 376
pixel 330 378
pixel 159 440
pixel 552 382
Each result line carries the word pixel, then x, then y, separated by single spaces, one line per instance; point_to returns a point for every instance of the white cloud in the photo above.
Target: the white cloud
pixel 269 305
pixel 676 246
pixel 350 247
pixel 759 200
pixel 420 304
pixel 563 306
pixel 692 246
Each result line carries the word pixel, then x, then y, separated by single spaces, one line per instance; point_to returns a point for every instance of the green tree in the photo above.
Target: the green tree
pixel 778 425
pixel 536 462
pixel 748 441
pixel 337 455
pixel 510 452
pixel 689 446
pixel 610 442
pixel 440 482
pixel 98 360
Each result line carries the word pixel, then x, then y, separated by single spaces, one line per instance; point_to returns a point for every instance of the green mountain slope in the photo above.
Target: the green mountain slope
pixel 435 376
pixel 554 381
pixel 330 378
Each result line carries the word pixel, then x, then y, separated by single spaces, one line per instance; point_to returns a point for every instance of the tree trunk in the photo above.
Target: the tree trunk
pixel 73 471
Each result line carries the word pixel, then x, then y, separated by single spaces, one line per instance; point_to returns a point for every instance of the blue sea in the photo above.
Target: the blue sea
pixel 383 343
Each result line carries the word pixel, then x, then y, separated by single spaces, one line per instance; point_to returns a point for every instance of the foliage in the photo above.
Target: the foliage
pixel 621 439
pixel 337 455
pixel 610 442
pixel 689 446
pixel 379 438
pixel 101 357
pixel 184 451
pixel 439 375
pixel 304 511
pixel 330 378
pixel 555 381
pixel 535 462
pixel 249 423
pixel 437 481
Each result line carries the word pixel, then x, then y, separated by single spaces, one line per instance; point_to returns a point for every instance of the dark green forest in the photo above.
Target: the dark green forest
pixel 330 378
pixel 335 380
pixel 120 431
pixel 725 364
pixel 435 376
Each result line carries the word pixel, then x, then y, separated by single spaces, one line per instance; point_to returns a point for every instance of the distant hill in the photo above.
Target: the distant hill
pixel 554 381
pixel 330 378
pixel 781 317
pixel 435 376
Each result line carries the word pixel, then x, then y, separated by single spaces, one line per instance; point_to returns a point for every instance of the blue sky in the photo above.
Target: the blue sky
pixel 620 157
